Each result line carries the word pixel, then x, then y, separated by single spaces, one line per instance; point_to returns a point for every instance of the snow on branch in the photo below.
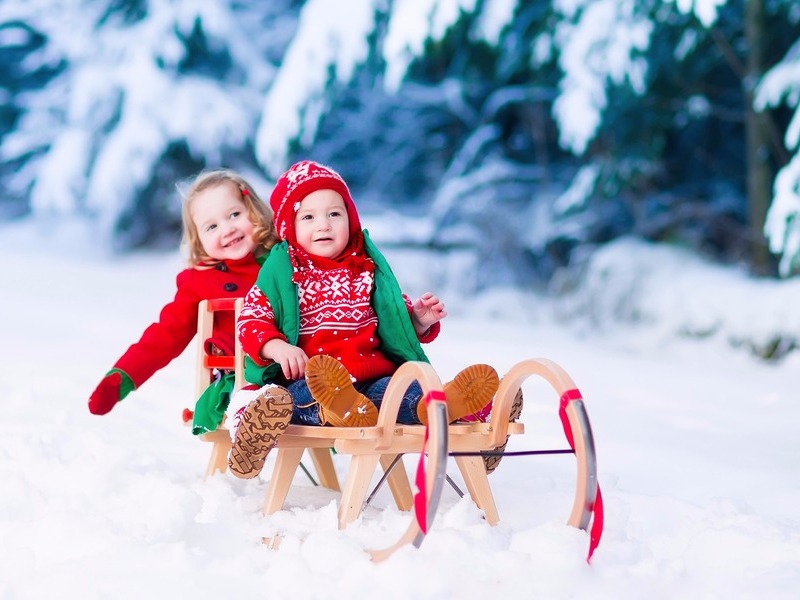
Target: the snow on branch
pixel 330 42
pixel 598 46
pixel 781 84
pixel 411 24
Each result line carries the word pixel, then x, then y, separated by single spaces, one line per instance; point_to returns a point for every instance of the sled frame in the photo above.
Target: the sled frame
pixel 387 442
pixel 473 438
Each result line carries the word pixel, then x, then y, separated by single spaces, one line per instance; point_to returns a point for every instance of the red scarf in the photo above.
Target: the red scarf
pixel 353 257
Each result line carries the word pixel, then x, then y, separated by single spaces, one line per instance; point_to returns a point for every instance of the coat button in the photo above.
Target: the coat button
pixel 222 267
pixel 230 287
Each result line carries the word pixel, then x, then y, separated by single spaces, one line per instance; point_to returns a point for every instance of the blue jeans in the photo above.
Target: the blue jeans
pixel 306 409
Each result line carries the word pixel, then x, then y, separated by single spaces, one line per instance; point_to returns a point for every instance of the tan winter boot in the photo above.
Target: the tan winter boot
pixel 257 428
pixel 471 389
pixel 340 404
pixel 491 461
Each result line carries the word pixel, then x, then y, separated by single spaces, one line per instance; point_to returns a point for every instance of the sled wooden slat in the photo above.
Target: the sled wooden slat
pixel 463 437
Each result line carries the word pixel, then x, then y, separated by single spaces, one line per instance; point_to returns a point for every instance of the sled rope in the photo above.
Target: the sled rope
pixel 309 475
pixel 514 453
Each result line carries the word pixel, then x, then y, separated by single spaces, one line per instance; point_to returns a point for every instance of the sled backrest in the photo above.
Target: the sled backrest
pixel 204 374
pixel 205 328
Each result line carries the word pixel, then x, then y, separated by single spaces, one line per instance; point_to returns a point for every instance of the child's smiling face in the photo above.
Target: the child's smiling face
pixel 222 222
pixel 321 225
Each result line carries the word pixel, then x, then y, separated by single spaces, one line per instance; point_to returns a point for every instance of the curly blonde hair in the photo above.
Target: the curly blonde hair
pixel 259 214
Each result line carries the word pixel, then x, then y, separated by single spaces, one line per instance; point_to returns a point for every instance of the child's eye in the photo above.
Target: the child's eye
pixel 336 213
pixel 235 214
pixel 306 218
pixel 211 228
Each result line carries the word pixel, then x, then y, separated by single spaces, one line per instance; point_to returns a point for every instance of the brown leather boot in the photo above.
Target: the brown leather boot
pixel 471 389
pixel 259 426
pixel 490 461
pixel 340 404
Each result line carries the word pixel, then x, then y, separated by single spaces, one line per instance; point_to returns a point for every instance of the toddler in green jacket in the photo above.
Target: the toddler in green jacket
pixel 326 326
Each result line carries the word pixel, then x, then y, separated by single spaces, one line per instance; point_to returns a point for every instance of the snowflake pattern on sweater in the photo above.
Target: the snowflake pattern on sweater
pixel 336 318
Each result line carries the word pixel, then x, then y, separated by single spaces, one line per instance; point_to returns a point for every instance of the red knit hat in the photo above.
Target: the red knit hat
pixel 299 181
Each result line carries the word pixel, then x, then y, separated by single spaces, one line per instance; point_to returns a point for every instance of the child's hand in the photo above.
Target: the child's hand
pixel 291 358
pixel 106 395
pixel 112 389
pixel 427 310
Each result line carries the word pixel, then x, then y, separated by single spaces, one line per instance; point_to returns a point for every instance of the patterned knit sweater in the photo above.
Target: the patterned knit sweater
pixel 336 318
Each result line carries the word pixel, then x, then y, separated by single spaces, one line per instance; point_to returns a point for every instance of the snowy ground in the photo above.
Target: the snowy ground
pixel 698 448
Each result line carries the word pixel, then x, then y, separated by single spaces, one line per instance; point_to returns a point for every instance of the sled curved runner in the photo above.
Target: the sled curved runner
pixel 473 438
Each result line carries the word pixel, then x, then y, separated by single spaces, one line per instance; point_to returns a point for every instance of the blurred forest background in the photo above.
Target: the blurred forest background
pixel 530 132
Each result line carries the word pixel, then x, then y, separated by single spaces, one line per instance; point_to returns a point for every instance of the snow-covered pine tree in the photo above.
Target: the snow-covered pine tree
pixel 554 124
pixel 119 99
pixel 781 85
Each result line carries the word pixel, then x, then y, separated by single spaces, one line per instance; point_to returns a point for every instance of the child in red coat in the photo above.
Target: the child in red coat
pixel 326 325
pixel 227 230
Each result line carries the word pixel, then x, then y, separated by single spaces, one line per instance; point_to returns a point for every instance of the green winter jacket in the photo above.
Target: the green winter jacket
pixel 399 341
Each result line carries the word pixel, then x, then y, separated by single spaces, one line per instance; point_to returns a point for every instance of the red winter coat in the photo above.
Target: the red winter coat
pixel 167 338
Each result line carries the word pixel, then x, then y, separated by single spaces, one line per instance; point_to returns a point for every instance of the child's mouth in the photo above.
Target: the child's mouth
pixel 233 242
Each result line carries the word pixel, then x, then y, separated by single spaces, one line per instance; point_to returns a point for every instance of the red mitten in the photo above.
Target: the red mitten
pixel 105 395
pixel 114 387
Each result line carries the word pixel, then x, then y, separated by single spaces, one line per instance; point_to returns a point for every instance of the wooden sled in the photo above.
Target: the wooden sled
pixel 387 442
pixel 220 439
